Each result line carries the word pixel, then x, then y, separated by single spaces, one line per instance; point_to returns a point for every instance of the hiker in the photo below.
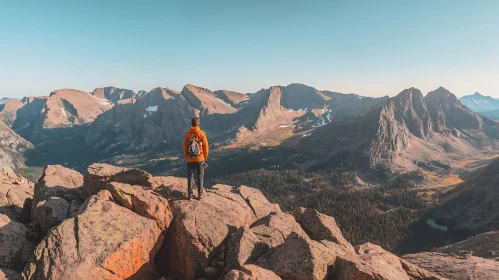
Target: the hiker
pixel 196 154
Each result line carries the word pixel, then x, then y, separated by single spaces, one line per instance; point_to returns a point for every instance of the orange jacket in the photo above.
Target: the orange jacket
pixel 203 144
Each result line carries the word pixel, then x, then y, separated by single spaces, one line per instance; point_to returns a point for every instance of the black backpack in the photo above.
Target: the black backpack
pixel 193 147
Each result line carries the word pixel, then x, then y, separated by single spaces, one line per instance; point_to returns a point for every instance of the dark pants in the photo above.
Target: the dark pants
pixel 199 168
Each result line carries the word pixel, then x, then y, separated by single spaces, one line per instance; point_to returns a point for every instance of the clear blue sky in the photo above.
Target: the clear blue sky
pixel 368 47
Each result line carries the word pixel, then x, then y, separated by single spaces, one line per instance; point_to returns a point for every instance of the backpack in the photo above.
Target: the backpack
pixel 193 148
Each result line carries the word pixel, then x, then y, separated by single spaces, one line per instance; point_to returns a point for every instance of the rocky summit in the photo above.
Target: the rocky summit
pixel 119 223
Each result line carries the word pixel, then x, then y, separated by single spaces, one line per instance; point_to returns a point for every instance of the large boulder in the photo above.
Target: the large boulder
pixel 58 195
pixel 371 262
pixel 14 190
pixel 98 175
pixel 50 212
pixel 15 245
pixel 456 267
pixel 301 258
pixel 258 202
pixel 9 274
pixel 243 246
pixel 199 228
pixel 143 202
pixel 251 272
pixel 284 223
pixel 103 241
pixel 319 226
pixel 246 245
pixel 170 187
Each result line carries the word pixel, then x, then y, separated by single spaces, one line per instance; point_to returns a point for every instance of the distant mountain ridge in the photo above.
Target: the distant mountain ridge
pixel 480 103
pixel 61 109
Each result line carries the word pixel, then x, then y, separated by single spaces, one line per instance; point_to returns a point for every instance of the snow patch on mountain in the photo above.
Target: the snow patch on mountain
pixel 223 102
pixel 323 119
pixel 151 109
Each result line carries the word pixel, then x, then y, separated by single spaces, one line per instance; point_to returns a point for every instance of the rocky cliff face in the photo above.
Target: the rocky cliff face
pixel 271 109
pixel 132 225
pixel 29 116
pixel 8 110
pixel 412 109
pixel 12 148
pixel 14 191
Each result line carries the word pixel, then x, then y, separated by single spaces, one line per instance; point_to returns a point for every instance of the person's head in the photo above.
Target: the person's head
pixel 195 122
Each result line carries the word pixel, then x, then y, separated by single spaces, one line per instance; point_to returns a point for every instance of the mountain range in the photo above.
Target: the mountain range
pixel 359 133
pixel 404 130
pixel 110 121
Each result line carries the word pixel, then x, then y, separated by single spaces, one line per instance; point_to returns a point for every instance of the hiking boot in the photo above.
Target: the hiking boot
pixel 189 197
pixel 201 196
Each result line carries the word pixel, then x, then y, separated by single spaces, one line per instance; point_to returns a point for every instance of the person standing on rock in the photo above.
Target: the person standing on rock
pixel 196 153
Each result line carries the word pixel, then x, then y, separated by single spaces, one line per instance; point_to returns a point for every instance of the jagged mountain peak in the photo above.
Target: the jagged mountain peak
pixel 113 94
pixel 205 101
pixel 160 94
pixel 165 90
pixel 66 91
pixel 30 99
pixel 232 98
pixel 442 97
pixel 411 108
pixel 442 93
pixel 409 95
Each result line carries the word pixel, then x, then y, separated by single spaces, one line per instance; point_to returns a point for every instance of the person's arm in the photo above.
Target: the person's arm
pixel 206 149
pixel 185 146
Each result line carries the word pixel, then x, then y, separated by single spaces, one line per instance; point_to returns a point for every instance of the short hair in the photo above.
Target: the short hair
pixel 195 121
